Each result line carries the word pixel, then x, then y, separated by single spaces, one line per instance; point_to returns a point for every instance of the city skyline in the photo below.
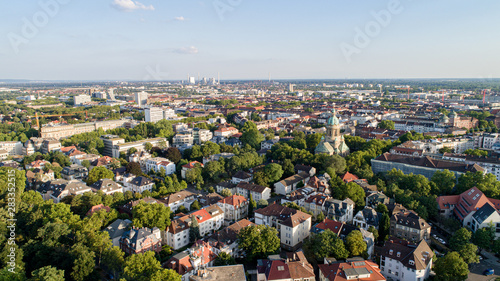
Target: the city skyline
pixel 154 40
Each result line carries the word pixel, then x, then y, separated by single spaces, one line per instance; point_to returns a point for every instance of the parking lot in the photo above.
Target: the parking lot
pixel 489 261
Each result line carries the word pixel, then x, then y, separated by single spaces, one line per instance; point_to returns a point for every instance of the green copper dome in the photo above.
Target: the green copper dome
pixel 333 120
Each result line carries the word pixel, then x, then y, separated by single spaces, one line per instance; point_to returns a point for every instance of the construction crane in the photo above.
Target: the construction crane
pixel 55 115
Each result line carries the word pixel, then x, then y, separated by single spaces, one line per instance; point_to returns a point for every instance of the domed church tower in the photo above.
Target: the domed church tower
pixel 333 142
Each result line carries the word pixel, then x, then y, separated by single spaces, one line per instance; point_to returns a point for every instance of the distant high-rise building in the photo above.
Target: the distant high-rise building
pixel 81 99
pixel 290 88
pixel 192 80
pixel 111 94
pixel 141 98
pixel 153 114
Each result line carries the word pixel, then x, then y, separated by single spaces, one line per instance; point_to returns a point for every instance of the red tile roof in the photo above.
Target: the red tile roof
pixel 202 215
pixel 340 271
pixel 334 226
pixel 348 177
pixel 234 200
pixel 192 164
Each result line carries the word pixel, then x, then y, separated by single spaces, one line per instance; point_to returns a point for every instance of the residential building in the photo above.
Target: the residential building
pixel 256 191
pixel 294 268
pixel 59 188
pixel 117 229
pixel 306 169
pixel 183 138
pixel 109 142
pixel 290 184
pixel 293 225
pixel 220 273
pixel 12 147
pixel 49 145
pixel 315 203
pixel 107 186
pixel 38 176
pixel 119 148
pixel 140 240
pixel 354 270
pixel 201 135
pixel 81 100
pixel 241 176
pixel 339 210
pixel 348 177
pixel 189 166
pixel 266 145
pixel 225 132
pixel 235 208
pixel 403 260
pixel 226 240
pixel 216 157
pixel 373 199
pixel 466 205
pixel 182 198
pixel 140 157
pixel 408 225
pixel 188 262
pixel 157 163
pixel 366 218
pixel 139 184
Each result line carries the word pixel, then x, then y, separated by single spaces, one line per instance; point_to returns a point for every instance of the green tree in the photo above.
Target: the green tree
pixel 444 180
pixel 460 238
pixel 148 146
pixel 320 217
pixel 259 241
pixel 132 151
pixel 47 273
pixel 262 203
pixel 98 173
pixel 252 206
pixel 224 259
pixel 195 206
pixel 194 230
pixel 86 163
pixel 373 230
pixel 151 215
pixel 468 252
pixel 251 136
pixel 384 227
pixel 145 267
pixel 84 263
pixel 113 258
pixel 173 154
pixel 226 192
pixel 325 244
pixel 451 268
pixel 261 178
pixel 483 237
pixel 476 152
pixel 312 140
pixel 273 172
pixel 386 124
pixel 352 191
pixel 134 168
pixel 355 243
pixel 382 208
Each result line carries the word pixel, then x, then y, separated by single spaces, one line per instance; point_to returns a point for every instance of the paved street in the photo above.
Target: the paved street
pixel 476 270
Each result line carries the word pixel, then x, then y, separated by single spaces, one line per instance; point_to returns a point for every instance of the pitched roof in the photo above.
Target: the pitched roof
pixel 178 196
pixel 234 200
pixel 348 177
pixel 294 179
pixel 430 163
pixel 141 181
pixel 106 185
pixel 356 270
pixel 242 175
pixel 252 187
pixel 404 251
pixel 192 164
pixel 229 234
pixel 332 225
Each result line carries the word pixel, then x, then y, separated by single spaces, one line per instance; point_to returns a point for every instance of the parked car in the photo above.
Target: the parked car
pixel 489 271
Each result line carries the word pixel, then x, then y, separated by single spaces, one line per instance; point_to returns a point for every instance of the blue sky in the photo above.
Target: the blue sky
pixel 169 39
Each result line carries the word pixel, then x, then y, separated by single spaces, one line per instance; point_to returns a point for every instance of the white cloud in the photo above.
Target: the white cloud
pixel 186 50
pixel 129 5
pixel 181 18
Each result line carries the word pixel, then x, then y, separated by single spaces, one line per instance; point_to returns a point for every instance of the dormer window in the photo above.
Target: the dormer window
pixel 398 254
pixel 412 262
pixel 390 252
